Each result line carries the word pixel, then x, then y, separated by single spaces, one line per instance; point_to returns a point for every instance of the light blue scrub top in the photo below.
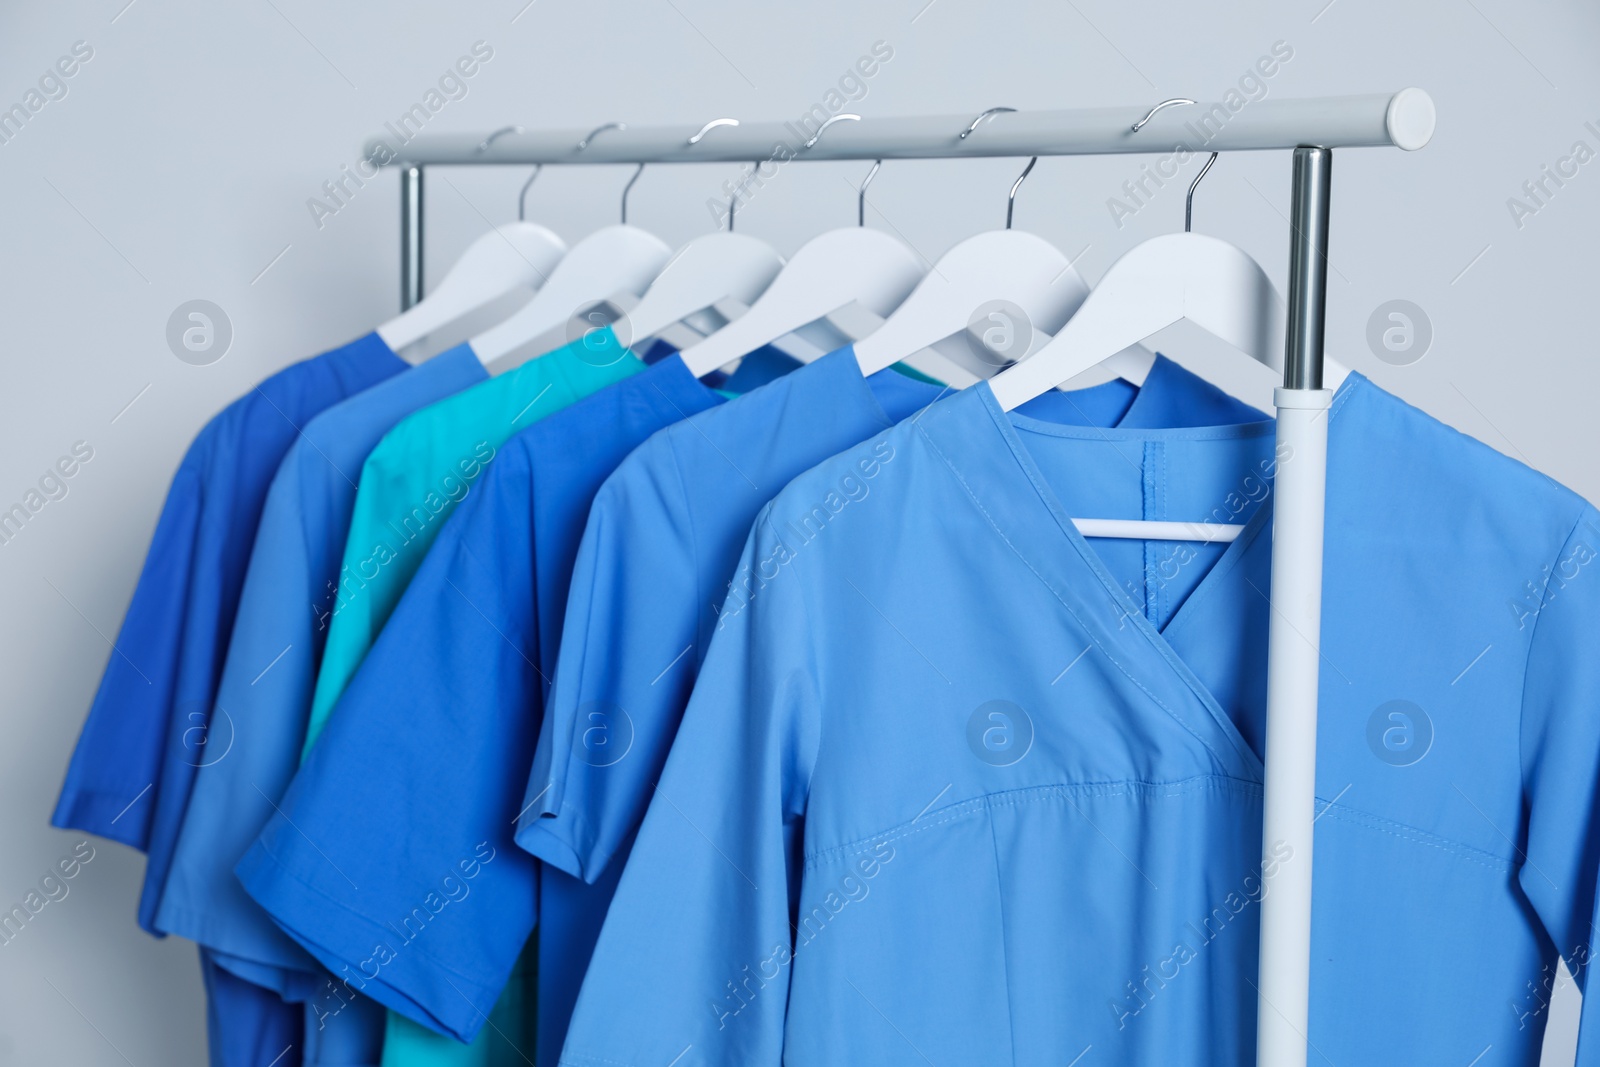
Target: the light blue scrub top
pixel 947 792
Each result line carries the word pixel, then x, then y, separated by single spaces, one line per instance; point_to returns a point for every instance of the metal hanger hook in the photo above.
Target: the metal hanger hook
pixel 1188 201
pixel 1176 101
pixel 987 114
pixel 733 195
pixel 1011 201
pixel 845 117
pixel 861 194
pixel 626 189
pixel 708 127
pixel 599 130
pixel 483 146
pixel 522 198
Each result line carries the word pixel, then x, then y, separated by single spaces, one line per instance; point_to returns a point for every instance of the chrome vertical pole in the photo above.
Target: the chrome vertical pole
pixel 1308 268
pixel 1283 1001
pixel 410 235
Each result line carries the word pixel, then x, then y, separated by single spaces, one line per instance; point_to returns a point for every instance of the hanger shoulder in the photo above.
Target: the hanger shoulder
pixel 1155 284
pixel 611 260
pixel 709 268
pixel 829 271
pixel 506 258
pixel 1010 265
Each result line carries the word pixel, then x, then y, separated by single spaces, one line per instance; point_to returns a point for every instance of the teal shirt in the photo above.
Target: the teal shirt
pixel 420 471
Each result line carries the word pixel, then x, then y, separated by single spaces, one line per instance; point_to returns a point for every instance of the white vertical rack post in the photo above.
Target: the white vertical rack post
pixel 1294 632
pixel 1311 128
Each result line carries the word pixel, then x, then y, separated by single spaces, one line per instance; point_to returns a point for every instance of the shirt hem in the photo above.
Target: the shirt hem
pixel 212 933
pixel 94 812
pixel 544 844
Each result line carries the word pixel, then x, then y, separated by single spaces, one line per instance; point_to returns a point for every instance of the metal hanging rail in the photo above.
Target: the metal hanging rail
pixel 1312 128
pixel 1401 120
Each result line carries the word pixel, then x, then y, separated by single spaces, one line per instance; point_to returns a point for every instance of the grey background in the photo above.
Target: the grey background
pixel 179 165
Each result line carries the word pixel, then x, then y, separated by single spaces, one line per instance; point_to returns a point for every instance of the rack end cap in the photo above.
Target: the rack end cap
pixel 1410 119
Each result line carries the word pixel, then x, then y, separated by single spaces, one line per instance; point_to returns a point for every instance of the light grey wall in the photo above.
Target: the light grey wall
pixel 179 165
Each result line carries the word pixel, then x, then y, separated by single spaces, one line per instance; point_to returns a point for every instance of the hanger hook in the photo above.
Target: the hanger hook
pixel 991 112
pixel 861 194
pixel 598 130
pixel 483 146
pixel 583 144
pixel 522 198
pixel 1174 102
pixel 626 189
pixel 1188 201
pixel 1011 202
pixel 733 195
pixel 845 117
pixel 708 127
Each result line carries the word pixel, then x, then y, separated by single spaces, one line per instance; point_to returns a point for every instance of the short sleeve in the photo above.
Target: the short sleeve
pixel 117 763
pixel 397 829
pixel 626 665
pixel 357 614
pixel 697 945
pixel 1561 761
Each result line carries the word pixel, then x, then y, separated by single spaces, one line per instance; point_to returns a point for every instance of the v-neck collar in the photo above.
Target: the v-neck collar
pixel 980 442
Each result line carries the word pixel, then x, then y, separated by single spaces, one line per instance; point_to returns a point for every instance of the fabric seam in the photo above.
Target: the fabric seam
pixel 1027 794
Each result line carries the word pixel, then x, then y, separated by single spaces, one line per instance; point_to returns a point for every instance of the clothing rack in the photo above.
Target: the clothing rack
pixel 1312 128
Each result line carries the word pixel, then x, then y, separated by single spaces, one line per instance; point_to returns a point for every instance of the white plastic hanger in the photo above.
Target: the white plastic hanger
pixel 513 256
pixel 614 259
pixel 1209 282
pixel 708 269
pixel 826 274
pixel 1007 264
pixel 516 255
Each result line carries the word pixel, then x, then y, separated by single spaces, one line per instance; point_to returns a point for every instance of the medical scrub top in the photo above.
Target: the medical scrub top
pixel 514 1021
pixel 936 733
pixel 658 559
pixel 146 733
pixel 420 471
pixel 148 728
pixel 662 541
pixel 486 606
pixel 247 1025
pixel 265 695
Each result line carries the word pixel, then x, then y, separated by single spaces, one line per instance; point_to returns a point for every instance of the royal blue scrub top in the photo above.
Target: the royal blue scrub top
pixel 149 728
